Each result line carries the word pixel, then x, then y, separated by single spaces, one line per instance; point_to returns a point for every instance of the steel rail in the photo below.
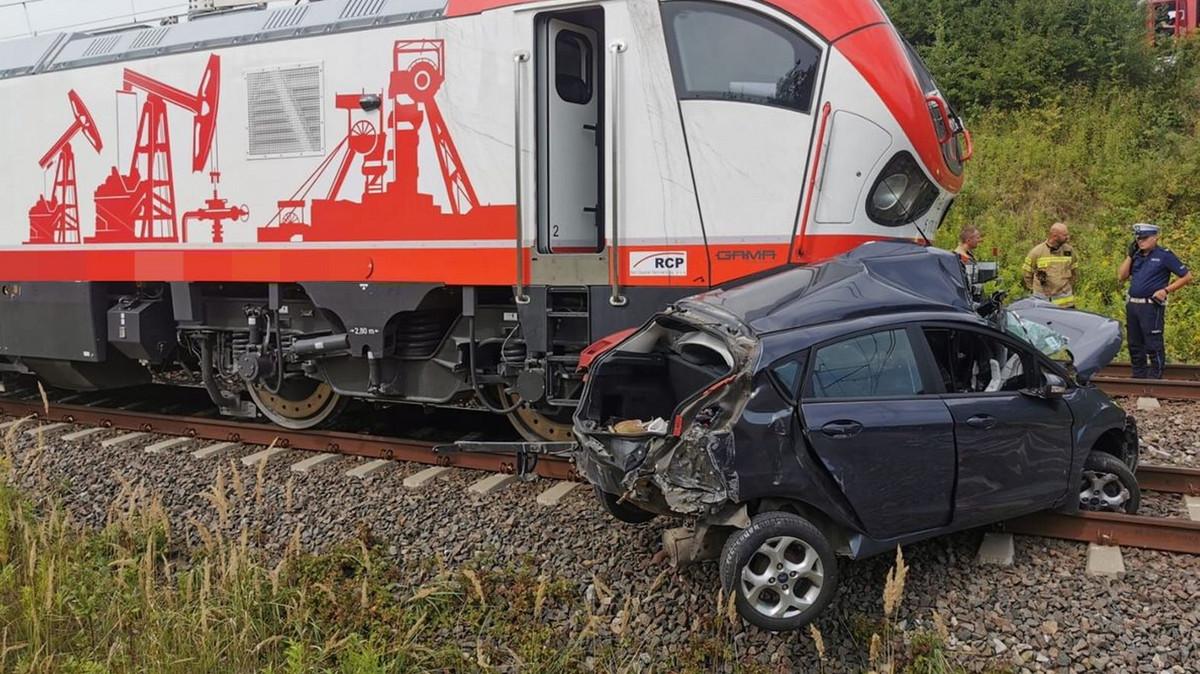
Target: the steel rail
pixel 1170 389
pixel 1177 371
pixel 1153 533
pixel 1169 479
pixel 334 442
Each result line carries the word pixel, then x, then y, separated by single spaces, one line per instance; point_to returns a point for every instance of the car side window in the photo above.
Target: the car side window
pixel 877 365
pixel 788 373
pixel 972 362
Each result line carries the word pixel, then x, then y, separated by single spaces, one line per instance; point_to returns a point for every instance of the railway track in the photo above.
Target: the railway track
pixel 334 442
pixel 1154 533
pixel 1181 382
pixel 1158 533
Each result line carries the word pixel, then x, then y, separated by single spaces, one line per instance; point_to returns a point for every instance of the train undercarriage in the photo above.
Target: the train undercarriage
pixel 295 353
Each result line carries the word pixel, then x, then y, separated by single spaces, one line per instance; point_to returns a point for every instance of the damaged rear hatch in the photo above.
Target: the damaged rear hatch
pixel 659 405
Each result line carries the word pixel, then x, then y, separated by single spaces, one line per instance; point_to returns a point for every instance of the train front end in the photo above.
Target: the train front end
pixel 889 149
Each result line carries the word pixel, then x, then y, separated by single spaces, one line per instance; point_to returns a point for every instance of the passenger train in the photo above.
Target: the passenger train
pixel 439 202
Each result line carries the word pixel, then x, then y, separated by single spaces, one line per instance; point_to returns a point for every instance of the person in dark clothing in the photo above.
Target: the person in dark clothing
pixel 1149 267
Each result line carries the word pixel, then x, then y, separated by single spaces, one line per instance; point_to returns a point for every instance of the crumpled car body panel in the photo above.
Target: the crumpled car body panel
pixel 734 414
pixel 1092 340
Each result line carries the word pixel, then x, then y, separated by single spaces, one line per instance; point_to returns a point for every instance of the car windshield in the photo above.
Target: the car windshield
pixel 1042 338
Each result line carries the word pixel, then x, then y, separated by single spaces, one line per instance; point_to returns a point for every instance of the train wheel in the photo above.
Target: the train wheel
pixel 300 403
pixel 537 426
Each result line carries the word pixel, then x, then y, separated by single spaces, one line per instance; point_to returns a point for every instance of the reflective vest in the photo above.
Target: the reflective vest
pixel 1050 273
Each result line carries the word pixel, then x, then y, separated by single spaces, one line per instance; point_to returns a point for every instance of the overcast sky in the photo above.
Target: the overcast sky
pixel 20 18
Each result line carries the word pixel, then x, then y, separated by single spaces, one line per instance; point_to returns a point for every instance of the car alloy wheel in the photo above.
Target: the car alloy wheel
pixel 782 569
pixel 1108 485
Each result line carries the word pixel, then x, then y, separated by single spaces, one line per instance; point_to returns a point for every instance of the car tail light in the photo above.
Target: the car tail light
pixel 717 385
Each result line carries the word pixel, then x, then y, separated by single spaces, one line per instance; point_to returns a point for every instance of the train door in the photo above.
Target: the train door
pixel 570 136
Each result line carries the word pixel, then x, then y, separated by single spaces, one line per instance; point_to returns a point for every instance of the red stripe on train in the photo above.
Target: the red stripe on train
pixel 453 266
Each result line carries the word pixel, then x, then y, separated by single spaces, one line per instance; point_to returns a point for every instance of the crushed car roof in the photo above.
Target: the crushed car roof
pixel 875 278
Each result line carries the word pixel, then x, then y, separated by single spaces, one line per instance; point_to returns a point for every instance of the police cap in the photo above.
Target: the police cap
pixel 1145 229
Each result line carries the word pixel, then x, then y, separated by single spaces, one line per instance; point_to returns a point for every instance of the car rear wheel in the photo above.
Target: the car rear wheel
pixel 626 512
pixel 782 569
pixel 1108 485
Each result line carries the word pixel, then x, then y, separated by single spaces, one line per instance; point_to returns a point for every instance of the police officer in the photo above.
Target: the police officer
pixel 1049 269
pixel 1149 269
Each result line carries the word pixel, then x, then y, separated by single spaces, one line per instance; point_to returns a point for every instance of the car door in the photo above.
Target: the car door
pixel 1014 449
pixel 888 444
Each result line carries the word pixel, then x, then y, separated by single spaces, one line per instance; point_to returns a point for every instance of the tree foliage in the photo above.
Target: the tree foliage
pixel 1010 54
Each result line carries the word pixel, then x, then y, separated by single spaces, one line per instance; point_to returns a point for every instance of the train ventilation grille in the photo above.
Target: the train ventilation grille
pixel 285 111
pixel 102 45
pixel 357 9
pixel 285 18
pixel 149 38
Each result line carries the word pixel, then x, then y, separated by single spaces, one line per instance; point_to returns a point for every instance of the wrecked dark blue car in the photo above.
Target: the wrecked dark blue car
pixel 846 408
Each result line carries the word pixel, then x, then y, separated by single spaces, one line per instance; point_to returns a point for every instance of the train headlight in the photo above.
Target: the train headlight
pixel 901 194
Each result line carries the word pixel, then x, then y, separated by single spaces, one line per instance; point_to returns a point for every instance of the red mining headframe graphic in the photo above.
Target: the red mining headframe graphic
pixel 395 210
pixel 56 219
pixel 139 206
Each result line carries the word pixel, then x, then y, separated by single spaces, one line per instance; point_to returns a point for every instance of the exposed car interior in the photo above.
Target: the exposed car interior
pixel 970 362
pixel 649 376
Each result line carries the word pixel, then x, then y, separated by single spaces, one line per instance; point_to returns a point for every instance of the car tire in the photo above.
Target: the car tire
pixel 799 551
pixel 626 512
pixel 1107 484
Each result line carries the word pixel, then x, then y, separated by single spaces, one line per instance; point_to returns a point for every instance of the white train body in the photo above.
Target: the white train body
pixel 632 150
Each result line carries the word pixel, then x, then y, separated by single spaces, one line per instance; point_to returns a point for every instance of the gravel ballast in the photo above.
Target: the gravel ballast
pixel 1041 614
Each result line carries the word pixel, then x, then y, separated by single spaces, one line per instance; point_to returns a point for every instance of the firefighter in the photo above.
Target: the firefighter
pixel 1148 268
pixel 1049 268
pixel 968 240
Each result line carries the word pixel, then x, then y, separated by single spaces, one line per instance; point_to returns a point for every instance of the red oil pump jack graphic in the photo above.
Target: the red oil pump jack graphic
pixel 56 220
pixel 393 210
pixel 139 207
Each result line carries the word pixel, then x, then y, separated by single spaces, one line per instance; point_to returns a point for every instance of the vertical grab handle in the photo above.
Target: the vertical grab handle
pixel 615 49
pixel 519 58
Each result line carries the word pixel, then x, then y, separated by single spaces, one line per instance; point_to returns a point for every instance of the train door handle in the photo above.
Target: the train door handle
pixel 983 421
pixel 842 428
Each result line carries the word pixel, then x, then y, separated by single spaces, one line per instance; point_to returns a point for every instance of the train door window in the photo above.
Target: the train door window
pixel 570 132
pixel 573 67
pixel 723 52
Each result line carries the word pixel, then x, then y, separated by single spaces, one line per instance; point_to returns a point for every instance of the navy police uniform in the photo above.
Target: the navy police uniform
pixel 1149 272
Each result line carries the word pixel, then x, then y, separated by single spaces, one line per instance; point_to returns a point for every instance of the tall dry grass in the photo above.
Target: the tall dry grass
pixel 135 597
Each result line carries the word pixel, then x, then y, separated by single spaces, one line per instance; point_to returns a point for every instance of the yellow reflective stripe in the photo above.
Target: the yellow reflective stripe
pixel 1028 266
pixel 1047 261
pixel 1069 299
